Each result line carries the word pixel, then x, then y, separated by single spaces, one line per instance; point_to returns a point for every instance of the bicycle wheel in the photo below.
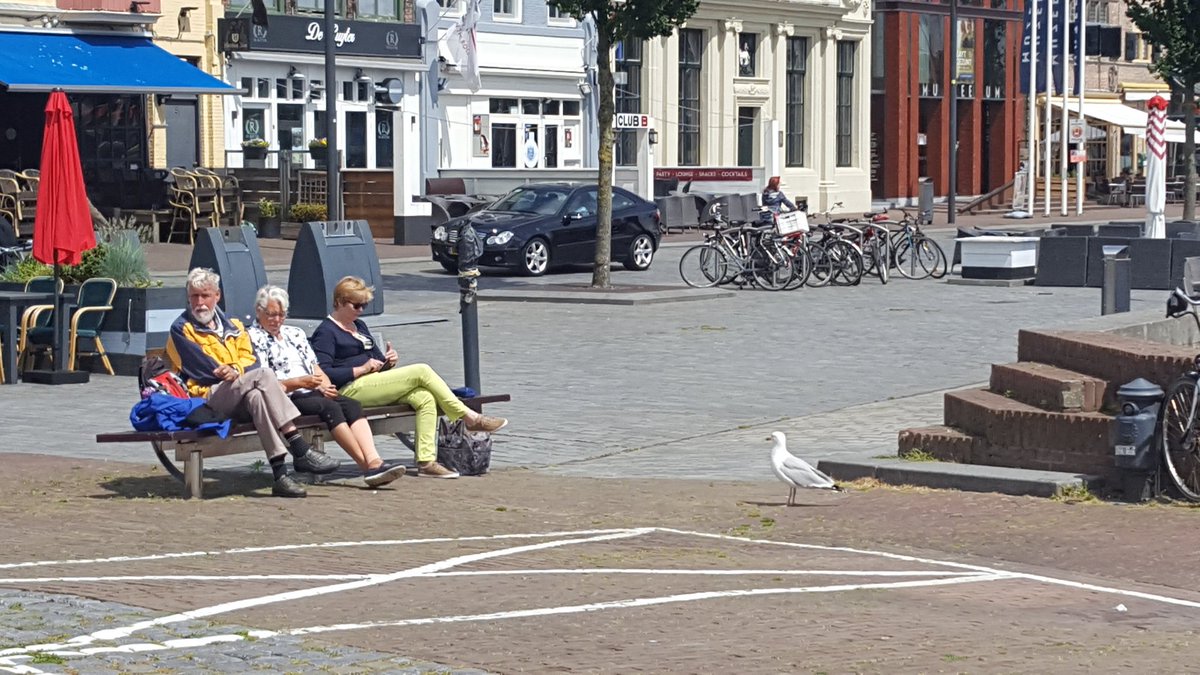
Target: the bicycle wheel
pixel 1180 449
pixel 703 266
pixel 907 259
pixel 771 271
pixel 801 267
pixel 932 258
pixel 879 260
pixel 847 264
pixel 821 270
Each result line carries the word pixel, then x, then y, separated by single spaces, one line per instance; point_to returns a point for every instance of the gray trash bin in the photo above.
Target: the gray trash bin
pixel 326 252
pixel 232 252
pixel 925 201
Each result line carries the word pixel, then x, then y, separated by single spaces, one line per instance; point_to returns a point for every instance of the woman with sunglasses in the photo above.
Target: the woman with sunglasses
pixel 367 372
pixel 285 350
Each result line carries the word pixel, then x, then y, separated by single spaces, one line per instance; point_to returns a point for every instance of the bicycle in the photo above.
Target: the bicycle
pixel 742 255
pixel 1179 428
pixel 913 253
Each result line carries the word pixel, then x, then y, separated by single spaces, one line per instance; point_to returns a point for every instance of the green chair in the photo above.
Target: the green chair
pixel 33 285
pixel 94 301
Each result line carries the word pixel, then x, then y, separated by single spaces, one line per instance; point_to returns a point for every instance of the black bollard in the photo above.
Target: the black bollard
pixel 469 249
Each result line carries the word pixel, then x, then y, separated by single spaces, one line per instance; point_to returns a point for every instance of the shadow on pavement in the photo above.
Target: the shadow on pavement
pixel 216 484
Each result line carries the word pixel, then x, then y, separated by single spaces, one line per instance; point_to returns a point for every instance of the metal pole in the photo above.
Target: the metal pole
pixel 1049 167
pixel 333 186
pixel 1066 112
pixel 1080 55
pixel 1031 179
pixel 953 164
pixel 468 310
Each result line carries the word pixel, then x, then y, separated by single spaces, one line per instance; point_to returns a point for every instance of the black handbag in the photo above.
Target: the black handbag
pixel 461 450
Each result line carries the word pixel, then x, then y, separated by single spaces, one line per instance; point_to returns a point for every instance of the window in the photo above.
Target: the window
pixel 748 55
pixel 504 145
pixel 878 57
pixel 264 87
pixel 570 108
pixel 932 52
pixel 383 138
pixel 845 102
pixel 691 62
pixel 994 58
pixel 583 203
pixel 1097 11
pixel 504 9
pixel 384 9
pixel 448 4
pixel 503 106
pixel 111 131
pixel 254 124
pixel 1131 46
pixel 531 106
pixel 556 15
pixel 620 201
pixel 319 6
pixel 628 97
pixel 796 74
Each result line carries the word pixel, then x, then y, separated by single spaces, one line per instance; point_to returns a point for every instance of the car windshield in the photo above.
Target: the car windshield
pixel 542 200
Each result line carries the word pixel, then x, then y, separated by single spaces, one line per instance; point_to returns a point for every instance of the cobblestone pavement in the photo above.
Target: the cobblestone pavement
pixel 524 572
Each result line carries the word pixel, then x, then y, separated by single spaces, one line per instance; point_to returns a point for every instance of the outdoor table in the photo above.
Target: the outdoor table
pixel 10 302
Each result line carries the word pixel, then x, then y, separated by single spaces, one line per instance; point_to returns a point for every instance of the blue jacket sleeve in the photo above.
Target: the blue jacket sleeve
pixel 189 358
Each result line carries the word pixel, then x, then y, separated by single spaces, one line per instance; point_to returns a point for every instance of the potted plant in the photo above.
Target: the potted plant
pixel 255 148
pixel 268 219
pixel 318 148
pixel 306 212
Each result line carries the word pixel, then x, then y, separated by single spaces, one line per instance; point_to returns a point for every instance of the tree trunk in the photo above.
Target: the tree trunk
pixel 1189 152
pixel 600 272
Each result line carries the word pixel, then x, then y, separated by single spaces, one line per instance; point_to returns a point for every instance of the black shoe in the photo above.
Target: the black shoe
pixel 315 461
pixel 286 486
pixel 383 474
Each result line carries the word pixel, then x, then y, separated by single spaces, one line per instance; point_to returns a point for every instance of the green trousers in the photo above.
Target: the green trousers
pixel 418 386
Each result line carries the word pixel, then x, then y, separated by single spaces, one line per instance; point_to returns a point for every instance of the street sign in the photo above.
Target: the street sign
pixel 1076 131
pixel 1078 156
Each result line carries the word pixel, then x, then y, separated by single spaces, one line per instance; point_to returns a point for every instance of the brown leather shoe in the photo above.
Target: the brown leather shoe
pixel 435 470
pixel 488 424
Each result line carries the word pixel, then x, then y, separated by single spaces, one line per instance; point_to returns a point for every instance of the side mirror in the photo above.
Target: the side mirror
pixel 572 216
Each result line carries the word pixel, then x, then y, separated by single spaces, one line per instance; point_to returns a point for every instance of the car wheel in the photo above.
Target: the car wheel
pixel 450 267
pixel 641 253
pixel 535 258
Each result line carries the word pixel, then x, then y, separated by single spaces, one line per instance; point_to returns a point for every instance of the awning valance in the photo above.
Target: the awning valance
pixel 92 63
pixel 1131 120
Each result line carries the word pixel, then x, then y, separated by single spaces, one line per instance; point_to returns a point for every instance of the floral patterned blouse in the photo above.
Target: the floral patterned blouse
pixel 289 355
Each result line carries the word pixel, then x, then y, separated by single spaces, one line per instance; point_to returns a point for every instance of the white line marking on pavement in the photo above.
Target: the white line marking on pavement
pixel 470 573
pixel 297 547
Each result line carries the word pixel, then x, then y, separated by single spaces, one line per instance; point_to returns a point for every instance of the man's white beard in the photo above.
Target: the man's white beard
pixel 204 316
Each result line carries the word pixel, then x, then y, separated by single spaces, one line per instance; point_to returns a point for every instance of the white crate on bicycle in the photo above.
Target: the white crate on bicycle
pixel 791 221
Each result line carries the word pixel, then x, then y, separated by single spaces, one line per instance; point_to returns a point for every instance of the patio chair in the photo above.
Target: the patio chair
pixel 94 301
pixel 10 197
pixel 30 179
pixel 228 194
pixel 192 202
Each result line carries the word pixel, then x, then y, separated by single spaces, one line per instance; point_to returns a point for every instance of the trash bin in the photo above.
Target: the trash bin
pixel 925 201
pixel 1133 435
pixel 326 252
pixel 232 252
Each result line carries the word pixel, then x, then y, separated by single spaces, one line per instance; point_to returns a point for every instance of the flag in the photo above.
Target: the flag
pixel 259 16
pixel 1050 14
pixel 461 39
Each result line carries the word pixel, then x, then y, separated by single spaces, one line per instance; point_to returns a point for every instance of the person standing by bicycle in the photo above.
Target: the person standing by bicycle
pixel 773 198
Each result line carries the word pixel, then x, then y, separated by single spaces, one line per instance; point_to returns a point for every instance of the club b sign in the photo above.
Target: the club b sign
pixel 631 121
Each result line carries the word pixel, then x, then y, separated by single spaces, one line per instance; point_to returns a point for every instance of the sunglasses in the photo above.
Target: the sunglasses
pixel 360 306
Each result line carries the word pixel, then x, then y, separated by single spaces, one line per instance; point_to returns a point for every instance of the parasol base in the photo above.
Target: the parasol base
pixel 56 376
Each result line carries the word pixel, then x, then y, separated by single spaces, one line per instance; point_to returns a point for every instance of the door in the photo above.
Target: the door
pixel 747 132
pixel 291 130
pixel 356 140
pixel 550 147
pixel 183 133
pixel 624 223
pixel 575 237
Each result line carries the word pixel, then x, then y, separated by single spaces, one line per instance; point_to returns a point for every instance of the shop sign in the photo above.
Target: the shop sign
pixel 307 35
pixel 730 174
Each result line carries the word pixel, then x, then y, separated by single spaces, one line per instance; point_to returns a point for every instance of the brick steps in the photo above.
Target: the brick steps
pixel 1048 387
pixel 1113 358
pixel 945 443
pixel 1010 423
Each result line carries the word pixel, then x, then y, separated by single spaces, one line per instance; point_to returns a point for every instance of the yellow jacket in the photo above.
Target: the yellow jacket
pixel 196 351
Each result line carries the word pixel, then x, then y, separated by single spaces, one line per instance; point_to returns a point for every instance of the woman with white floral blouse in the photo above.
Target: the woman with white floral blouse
pixel 285 350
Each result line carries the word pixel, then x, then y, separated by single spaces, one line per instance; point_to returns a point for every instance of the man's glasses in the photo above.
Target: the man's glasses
pixel 360 306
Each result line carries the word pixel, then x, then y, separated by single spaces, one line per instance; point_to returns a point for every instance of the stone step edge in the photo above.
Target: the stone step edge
pixel 964 477
pixel 1052 375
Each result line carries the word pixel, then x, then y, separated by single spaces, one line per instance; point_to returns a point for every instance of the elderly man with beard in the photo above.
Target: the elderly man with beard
pixel 214 355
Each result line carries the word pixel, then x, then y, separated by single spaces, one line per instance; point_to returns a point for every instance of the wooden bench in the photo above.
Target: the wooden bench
pixel 192 447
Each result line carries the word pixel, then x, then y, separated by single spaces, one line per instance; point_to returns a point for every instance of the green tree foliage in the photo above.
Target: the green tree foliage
pixel 616 21
pixel 1172 26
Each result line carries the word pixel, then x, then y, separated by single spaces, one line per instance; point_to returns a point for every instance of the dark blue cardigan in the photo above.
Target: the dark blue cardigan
pixel 339 353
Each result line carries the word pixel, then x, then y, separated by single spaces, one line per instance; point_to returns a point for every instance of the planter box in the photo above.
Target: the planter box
pixel 1151 261
pixel 1181 249
pixel 254 153
pixel 1064 261
pixel 998 257
pixel 318 153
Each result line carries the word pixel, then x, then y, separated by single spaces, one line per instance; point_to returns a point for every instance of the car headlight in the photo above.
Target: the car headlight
pixel 439 233
pixel 500 239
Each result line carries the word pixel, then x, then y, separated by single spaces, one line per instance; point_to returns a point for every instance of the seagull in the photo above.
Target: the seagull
pixel 794 471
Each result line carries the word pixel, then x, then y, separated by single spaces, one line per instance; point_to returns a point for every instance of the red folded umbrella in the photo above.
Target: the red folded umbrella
pixel 62 230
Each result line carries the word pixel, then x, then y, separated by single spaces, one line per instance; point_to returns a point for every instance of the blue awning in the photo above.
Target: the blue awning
pixel 91 63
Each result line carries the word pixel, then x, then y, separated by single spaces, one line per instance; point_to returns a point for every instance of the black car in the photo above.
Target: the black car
pixel 538 226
